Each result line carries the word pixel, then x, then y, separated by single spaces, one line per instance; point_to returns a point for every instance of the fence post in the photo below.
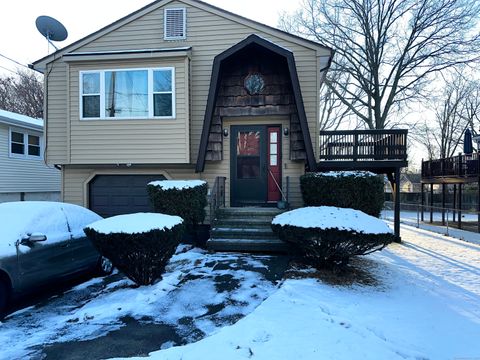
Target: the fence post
pixel 418 216
pixel 447 221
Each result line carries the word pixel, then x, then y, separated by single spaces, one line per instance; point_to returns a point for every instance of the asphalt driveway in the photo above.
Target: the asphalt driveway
pixel 111 317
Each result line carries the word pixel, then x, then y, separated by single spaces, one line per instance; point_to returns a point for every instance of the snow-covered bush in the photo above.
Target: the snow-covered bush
pixel 325 236
pixel 139 245
pixel 184 198
pixel 360 190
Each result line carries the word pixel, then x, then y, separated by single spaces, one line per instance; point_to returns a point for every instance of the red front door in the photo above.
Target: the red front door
pixel 274 164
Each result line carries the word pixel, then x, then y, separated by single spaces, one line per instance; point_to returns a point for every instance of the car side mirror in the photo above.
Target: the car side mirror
pixel 33 238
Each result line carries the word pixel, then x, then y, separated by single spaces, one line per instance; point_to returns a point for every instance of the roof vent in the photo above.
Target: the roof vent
pixel 175 24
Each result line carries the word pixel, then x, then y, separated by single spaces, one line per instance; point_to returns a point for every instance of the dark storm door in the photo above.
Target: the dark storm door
pixel 248 165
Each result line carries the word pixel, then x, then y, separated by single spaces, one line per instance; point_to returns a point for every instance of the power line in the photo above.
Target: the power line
pixel 15 72
pixel 15 61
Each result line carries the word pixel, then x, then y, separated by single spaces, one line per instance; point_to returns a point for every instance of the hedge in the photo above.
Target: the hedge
pixel 142 257
pixel 189 203
pixel 356 190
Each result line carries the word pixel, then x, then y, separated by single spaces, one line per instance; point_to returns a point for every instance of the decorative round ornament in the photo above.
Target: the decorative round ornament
pixel 254 84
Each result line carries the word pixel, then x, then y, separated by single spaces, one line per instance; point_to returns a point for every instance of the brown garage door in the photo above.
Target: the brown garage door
pixel 120 194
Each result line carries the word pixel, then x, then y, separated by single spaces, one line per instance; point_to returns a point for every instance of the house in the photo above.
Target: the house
pixel 409 183
pixel 23 173
pixel 181 89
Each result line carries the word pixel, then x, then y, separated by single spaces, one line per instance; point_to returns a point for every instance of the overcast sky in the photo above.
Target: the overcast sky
pixel 21 41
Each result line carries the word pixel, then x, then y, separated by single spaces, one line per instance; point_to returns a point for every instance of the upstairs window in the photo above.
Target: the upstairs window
pixel 175 24
pixel 131 94
pixel 24 145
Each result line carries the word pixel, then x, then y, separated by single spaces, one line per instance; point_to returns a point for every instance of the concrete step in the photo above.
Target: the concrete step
pixel 248 212
pixel 247 245
pixel 234 233
pixel 231 219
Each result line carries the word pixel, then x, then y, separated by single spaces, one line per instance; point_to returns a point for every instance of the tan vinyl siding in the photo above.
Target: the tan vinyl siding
pixel 209 35
pixel 56 116
pixel 132 141
pixel 24 175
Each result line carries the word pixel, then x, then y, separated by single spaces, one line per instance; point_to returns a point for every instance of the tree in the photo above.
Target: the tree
pixel 456 109
pixel 22 94
pixel 390 48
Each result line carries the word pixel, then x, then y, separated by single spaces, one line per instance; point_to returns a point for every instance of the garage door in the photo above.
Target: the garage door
pixel 120 194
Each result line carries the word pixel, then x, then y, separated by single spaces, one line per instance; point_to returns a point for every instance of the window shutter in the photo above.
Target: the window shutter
pixel 175 24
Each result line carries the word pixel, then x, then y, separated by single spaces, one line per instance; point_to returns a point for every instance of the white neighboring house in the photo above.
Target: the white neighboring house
pixel 23 173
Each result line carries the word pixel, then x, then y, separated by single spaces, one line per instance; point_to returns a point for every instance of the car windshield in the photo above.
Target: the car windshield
pixel 26 217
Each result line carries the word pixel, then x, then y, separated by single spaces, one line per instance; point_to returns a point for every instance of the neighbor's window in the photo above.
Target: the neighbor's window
pixel 24 144
pixel 134 93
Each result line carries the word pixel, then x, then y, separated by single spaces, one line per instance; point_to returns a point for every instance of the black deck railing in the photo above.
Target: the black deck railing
pixel 363 145
pixel 461 165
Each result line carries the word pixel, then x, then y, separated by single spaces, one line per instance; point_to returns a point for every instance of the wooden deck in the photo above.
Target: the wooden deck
pixel 452 170
pixel 379 151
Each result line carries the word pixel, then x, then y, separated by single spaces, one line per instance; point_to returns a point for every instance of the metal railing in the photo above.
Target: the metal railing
pixel 364 145
pixel 468 220
pixel 461 165
pixel 217 196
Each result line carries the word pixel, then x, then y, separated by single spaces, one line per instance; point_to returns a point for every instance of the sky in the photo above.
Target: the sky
pixel 21 41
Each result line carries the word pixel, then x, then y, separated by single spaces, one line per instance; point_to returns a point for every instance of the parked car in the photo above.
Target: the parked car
pixel 43 242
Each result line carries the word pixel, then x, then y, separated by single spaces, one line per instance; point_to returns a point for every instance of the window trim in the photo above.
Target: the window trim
pixel 173 38
pixel 149 88
pixel 25 155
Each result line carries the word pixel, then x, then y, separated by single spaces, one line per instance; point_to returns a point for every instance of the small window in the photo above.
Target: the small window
pixel 33 145
pixel 162 93
pixel 17 143
pixel 175 24
pixel 91 95
pixel 25 145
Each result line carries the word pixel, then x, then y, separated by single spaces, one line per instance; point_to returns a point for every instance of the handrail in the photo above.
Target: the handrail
pixel 278 186
pixel 364 145
pixel 461 165
pixel 217 196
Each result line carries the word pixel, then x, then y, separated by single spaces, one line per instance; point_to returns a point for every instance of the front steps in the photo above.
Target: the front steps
pixel 245 229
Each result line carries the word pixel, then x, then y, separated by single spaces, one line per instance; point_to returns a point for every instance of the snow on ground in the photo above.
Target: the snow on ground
pixel 177 184
pixel 427 307
pixel 135 223
pixel 199 293
pixel 411 218
pixel 330 217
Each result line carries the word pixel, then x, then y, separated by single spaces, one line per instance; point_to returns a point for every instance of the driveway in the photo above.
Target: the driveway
pixel 108 317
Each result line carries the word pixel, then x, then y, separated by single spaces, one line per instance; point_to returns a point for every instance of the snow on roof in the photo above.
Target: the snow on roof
pixel 45 217
pixel 329 217
pixel 346 173
pixel 135 223
pixel 12 118
pixel 177 184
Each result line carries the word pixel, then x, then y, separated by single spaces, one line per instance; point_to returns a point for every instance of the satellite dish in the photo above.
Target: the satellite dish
pixel 51 29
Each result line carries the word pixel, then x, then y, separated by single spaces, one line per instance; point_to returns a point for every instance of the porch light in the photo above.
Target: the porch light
pixel 285 131
pixel 225 132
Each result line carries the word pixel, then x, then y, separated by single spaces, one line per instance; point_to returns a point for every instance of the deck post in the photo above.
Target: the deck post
pixel 423 200
pixel 459 206
pixel 431 203
pixel 397 204
pixel 454 201
pixel 443 203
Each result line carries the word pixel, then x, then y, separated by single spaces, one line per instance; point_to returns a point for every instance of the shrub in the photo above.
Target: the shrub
pixel 362 191
pixel 141 254
pixel 327 236
pixel 186 199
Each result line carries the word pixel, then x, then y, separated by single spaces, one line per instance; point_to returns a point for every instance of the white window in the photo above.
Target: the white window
pixel 127 93
pixel 25 145
pixel 175 24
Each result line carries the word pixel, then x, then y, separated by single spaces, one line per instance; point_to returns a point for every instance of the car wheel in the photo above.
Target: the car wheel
pixel 105 266
pixel 3 299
